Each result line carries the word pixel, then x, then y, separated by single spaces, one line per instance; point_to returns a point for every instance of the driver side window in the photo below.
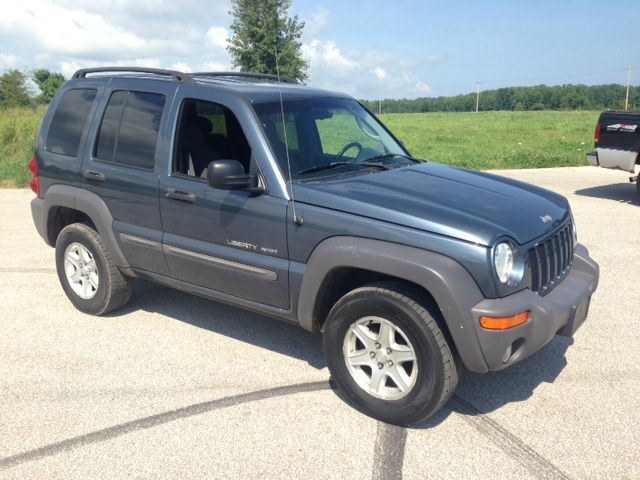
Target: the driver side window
pixel 342 129
pixel 207 131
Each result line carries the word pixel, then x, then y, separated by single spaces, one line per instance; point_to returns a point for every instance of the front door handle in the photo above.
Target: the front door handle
pixel 181 195
pixel 93 175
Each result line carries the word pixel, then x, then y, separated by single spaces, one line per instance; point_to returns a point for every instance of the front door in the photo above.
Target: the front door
pixel 228 241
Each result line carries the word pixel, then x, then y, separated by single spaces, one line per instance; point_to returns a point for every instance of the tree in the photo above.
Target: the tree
pixel 48 82
pixel 259 28
pixel 13 89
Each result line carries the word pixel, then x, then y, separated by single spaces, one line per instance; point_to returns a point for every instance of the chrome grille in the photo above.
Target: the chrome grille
pixel 551 260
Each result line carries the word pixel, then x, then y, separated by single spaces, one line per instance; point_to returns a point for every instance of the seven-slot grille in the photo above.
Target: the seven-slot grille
pixel 551 260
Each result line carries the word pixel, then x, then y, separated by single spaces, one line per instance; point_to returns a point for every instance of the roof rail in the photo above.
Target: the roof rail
pixel 174 74
pixel 177 76
pixel 246 75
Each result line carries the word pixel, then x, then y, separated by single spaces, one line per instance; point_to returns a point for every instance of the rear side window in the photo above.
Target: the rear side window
pixel 129 131
pixel 68 122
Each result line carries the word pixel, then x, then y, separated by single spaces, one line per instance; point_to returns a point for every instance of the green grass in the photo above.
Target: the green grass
pixel 497 140
pixel 18 131
pixel 485 140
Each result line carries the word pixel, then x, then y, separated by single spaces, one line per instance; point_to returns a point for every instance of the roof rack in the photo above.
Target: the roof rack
pixel 174 74
pixel 177 76
pixel 246 75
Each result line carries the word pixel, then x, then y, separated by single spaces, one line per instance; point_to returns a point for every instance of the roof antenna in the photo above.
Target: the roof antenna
pixel 296 219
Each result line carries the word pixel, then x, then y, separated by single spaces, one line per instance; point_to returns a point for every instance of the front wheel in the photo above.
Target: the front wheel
pixel 388 355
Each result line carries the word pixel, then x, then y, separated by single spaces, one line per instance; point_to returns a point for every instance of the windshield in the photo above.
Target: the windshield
pixel 326 136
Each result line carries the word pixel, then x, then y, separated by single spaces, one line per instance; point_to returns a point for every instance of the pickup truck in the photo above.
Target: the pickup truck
pixel 300 204
pixel 617 143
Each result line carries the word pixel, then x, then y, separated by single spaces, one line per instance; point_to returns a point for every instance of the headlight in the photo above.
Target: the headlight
pixel 507 266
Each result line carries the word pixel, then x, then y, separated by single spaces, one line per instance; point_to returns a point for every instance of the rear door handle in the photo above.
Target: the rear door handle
pixel 181 195
pixel 93 175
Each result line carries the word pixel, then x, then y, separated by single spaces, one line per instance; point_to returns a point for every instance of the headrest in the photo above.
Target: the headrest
pixel 205 124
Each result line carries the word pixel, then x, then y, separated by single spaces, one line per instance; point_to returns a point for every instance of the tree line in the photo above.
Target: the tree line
pixel 20 89
pixel 540 97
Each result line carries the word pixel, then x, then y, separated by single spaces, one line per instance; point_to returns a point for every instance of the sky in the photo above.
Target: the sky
pixel 368 48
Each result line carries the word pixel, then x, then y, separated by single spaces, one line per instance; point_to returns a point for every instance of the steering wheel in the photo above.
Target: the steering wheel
pixel 347 148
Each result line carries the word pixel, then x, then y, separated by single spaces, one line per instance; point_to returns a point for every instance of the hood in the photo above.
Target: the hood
pixel 473 206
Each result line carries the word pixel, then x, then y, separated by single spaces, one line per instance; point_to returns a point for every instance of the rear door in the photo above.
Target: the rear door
pixel 122 166
pixel 227 241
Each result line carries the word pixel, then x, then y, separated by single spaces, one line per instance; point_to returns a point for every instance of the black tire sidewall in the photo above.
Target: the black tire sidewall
pixel 425 394
pixel 80 233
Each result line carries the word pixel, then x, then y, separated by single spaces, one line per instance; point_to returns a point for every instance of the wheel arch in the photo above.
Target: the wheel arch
pixel 65 204
pixel 339 264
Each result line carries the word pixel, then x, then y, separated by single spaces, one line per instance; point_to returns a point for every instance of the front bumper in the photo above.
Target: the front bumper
pixel 560 312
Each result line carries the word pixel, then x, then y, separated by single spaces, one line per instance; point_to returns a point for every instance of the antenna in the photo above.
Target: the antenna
pixel 296 219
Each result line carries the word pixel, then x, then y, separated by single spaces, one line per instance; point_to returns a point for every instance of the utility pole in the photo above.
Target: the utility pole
pixel 477 95
pixel 626 100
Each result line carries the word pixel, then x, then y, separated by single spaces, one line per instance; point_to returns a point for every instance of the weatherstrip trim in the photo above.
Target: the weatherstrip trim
pixel 222 263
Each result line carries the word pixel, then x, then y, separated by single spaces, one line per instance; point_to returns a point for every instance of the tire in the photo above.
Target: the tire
pixel 86 272
pixel 353 322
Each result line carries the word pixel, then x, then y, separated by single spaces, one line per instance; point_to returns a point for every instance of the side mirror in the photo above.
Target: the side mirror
pixel 229 175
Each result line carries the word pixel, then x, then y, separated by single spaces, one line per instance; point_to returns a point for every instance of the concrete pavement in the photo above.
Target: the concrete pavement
pixel 175 386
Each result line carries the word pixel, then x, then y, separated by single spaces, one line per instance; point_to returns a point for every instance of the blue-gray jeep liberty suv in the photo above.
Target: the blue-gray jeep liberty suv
pixel 299 204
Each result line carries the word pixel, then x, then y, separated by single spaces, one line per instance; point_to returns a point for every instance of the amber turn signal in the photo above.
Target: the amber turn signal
pixel 504 323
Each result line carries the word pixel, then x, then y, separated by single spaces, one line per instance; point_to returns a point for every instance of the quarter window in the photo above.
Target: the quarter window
pixel 129 131
pixel 69 121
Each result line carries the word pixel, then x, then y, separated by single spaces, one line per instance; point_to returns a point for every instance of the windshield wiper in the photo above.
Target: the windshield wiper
pixel 376 162
pixel 328 166
pixel 379 158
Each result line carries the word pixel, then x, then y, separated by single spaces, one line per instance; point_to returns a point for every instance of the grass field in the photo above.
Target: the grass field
pixel 497 140
pixel 18 130
pixel 485 140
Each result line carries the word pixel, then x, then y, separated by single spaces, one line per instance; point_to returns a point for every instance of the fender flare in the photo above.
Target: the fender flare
pixel 94 207
pixel 448 282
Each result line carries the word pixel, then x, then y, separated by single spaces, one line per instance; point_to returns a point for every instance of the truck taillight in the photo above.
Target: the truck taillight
pixel 35 178
pixel 597 134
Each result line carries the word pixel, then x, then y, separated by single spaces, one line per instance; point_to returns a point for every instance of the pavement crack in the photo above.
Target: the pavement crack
pixel 27 270
pixel 507 441
pixel 388 452
pixel 157 419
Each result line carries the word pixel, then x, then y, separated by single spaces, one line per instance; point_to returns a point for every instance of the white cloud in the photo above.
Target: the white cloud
pixel 317 23
pixel 217 37
pixel 190 35
pixel 65 34
pixel 363 74
pixel 325 54
pixel 8 62
pixel 380 73
pixel 68 68
pixel 181 67
pixel 422 87
pixel 213 67
pixel 50 27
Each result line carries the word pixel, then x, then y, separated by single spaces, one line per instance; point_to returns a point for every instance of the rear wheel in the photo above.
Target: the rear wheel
pixel 388 355
pixel 88 275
